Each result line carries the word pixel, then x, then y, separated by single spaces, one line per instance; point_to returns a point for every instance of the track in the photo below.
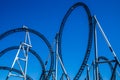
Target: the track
pixel 40 36
pixel 15 70
pixel 46 75
pixel 31 51
pixel 110 65
pixel 105 59
pixel 89 44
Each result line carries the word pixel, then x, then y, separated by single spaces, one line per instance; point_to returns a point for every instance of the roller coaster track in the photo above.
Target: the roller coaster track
pixel 15 70
pixel 31 51
pixel 109 63
pixel 89 44
pixel 46 74
pixel 40 36
pixel 105 59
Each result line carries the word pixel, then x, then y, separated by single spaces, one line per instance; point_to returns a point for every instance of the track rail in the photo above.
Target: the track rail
pixel 89 44
pixel 5 34
pixel 31 51
pixel 106 59
pixel 109 63
pixel 15 70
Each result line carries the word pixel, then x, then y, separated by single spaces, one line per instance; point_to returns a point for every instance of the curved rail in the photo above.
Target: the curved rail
pixel 87 53
pixel 40 36
pixel 31 51
pixel 109 63
pixel 15 70
pixel 105 59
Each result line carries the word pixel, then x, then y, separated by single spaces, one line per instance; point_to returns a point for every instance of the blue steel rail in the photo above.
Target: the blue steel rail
pixel 15 70
pixel 5 34
pixel 110 65
pixel 32 52
pixel 89 43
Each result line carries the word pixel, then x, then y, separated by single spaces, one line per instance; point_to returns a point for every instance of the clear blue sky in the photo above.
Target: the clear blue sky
pixel 45 16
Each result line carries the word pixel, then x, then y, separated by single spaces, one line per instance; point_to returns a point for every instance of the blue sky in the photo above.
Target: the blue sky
pixel 46 16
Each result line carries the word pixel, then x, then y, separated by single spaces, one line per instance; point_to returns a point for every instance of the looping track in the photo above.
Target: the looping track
pixel 40 36
pixel 43 75
pixel 89 44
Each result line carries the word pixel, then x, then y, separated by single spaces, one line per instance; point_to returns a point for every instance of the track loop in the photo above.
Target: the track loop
pixel 89 43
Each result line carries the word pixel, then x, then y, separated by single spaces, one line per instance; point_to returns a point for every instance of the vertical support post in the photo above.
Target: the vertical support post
pixel 88 75
pixel 56 63
pixel 93 70
pixel 28 45
pixel 96 52
pixel 58 57
pixel 26 62
pixel 22 47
